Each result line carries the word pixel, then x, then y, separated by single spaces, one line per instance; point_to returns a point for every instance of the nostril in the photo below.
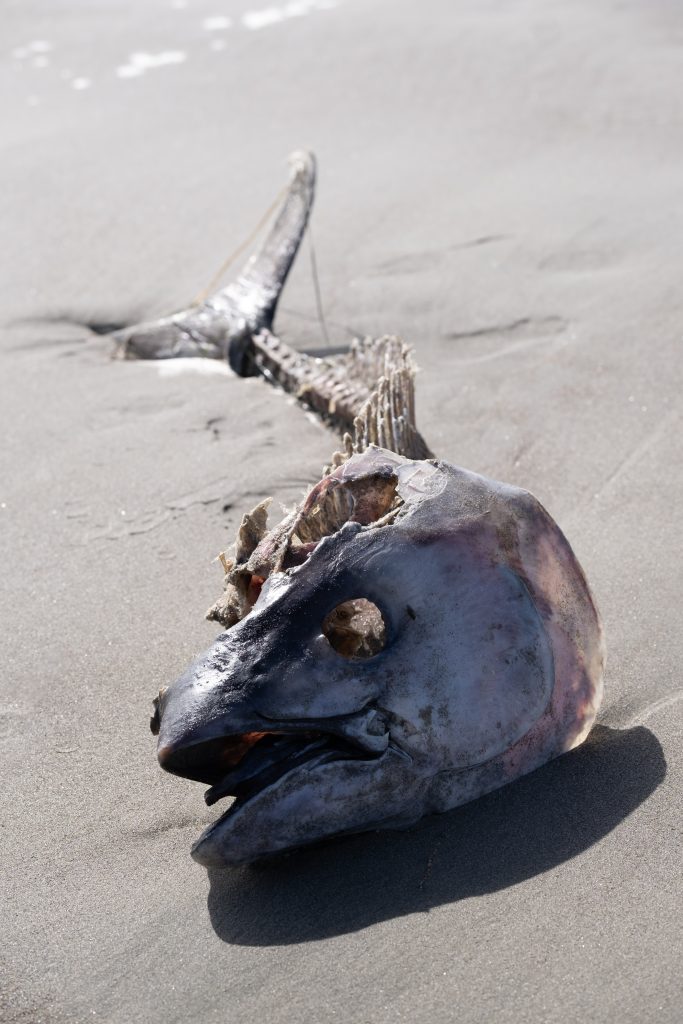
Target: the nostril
pixel 155 720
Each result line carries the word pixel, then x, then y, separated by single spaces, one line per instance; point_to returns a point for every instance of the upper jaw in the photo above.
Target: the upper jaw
pixel 208 752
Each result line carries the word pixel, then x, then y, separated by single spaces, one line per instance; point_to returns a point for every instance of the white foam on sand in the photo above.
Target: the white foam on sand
pixel 205 367
pixel 268 16
pixel 139 63
pixel 216 23
pixel 36 46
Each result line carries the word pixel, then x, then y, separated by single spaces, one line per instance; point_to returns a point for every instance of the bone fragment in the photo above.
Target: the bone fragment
pixel 252 530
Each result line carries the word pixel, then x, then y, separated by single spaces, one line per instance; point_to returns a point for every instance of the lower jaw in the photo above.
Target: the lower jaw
pixel 247 833
pixel 239 804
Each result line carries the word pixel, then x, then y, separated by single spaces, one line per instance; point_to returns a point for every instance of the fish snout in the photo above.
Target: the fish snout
pixel 208 718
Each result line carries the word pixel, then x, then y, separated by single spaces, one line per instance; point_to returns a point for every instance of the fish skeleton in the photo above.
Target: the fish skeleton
pixel 411 637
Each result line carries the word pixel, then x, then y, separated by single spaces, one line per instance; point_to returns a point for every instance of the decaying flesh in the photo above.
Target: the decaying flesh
pixel 411 637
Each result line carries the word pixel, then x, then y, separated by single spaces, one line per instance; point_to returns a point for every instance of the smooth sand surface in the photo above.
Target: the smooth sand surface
pixel 501 183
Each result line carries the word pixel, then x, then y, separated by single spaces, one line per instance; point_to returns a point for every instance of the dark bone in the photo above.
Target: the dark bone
pixel 222 326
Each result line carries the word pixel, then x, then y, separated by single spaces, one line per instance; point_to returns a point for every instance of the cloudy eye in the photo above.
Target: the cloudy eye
pixel 355 629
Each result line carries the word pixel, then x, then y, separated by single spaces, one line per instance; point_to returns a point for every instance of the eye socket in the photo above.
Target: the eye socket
pixel 356 628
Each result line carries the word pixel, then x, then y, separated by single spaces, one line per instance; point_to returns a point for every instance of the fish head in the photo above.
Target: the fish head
pixel 403 662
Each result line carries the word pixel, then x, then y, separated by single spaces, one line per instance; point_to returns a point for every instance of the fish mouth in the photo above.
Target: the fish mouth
pixel 244 766
pixel 270 756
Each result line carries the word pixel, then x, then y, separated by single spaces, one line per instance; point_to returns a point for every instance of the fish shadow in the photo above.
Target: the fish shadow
pixel 501 839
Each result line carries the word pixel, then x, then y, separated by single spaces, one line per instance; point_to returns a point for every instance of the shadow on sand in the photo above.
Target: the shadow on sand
pixel 497 841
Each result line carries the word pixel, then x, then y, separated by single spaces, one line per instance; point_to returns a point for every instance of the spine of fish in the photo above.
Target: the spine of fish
pixel 368 394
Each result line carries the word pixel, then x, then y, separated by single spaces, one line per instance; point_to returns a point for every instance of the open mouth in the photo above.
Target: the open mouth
pixel 274 755
pixel 245 765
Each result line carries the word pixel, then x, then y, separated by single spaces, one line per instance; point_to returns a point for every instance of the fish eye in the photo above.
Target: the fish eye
pixel 355 628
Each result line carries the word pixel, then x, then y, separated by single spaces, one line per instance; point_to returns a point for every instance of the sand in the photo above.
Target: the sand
pixel 500 184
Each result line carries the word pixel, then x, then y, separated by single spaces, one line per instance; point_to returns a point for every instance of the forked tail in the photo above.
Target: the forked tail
pixel 222 325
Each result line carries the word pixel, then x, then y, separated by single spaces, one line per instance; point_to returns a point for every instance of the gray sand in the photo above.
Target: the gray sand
pixel 501 184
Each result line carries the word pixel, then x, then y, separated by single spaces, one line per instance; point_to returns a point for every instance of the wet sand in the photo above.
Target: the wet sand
pixel 501 185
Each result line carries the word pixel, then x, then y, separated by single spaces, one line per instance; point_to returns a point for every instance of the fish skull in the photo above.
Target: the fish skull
pixel 437 640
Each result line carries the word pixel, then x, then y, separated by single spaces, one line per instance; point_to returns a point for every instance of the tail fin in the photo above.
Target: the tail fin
pixel 222 325
pixel 265 273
